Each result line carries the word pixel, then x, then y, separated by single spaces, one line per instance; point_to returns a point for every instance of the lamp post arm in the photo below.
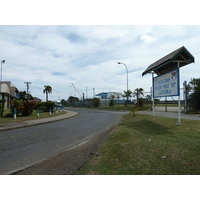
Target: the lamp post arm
pixel 126 75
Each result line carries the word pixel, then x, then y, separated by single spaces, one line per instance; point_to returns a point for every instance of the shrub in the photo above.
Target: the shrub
pixel 18 105
pixel 95 102
pixel 2 106
pixel 111 103
pixel 140 102
pixel 45 106
pixel 27 108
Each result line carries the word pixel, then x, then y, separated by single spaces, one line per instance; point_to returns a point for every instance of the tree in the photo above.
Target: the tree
pixel 23 96
pixel 112 103
pixel 194 84
pixel 195 96
pixel 2 103
pixel 63 102
pixel 95 102
pixel 138 92
pixel 71 99
pixel 47 90
pixel 127 94
pixel 148 97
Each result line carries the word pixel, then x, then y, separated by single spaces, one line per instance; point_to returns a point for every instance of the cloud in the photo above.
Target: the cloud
pixel 87 56
pixel 147 39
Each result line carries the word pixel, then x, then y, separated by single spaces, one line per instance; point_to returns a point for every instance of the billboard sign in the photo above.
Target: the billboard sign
pixel 167 84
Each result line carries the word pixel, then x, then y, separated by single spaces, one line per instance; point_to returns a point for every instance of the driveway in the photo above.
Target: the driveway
pixel 172 112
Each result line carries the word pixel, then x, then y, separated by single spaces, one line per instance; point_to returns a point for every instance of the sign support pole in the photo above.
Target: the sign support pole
pixel 179 102
pixel 179 110
pixel 153 95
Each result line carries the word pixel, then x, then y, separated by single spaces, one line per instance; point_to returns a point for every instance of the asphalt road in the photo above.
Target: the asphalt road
pixel 25 147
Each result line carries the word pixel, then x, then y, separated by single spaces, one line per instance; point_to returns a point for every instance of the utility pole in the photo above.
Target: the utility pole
pixel 27 86
pixel 2 62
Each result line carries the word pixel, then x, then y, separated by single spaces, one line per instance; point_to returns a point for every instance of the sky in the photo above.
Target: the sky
pixel 87 56
pixel 61 42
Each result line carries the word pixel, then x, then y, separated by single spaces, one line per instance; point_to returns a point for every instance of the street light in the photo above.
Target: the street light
pixel 127 77
pixel 2 62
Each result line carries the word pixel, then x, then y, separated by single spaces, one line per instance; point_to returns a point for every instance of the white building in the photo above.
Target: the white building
pixel 8 92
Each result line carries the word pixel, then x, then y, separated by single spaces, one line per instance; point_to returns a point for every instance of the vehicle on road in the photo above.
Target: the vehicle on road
pixel 58 104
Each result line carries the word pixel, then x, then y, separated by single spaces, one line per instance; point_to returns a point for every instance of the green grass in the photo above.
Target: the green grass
pixel 21 118
pixel 146 145
pixel 168 105
pixel 123 107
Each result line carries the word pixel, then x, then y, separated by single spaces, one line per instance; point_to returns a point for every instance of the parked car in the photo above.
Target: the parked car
pixel 59 105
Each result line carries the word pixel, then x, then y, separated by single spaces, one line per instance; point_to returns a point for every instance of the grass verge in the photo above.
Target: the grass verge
pixel 21 119
pixel 146 145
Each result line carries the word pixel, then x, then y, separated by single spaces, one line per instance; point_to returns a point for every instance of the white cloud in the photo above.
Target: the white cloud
pixel 147 39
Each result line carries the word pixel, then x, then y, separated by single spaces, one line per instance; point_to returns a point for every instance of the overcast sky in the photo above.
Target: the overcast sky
pixel 87 56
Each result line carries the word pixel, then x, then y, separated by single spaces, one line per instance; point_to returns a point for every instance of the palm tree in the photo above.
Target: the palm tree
pixel 194 84
pixel 47 90
pixel 127 94
pixel 138 92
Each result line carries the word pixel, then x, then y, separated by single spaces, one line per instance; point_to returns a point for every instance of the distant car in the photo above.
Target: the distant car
pixel 59 105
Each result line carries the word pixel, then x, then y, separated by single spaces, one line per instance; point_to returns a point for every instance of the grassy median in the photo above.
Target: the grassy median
pixel 33 116
pixel 146 145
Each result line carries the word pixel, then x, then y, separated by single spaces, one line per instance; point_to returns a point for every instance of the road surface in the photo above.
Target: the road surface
pixel 25 147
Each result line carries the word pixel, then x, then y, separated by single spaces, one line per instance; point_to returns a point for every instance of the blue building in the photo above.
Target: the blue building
pixel 102 95
pixel 108 95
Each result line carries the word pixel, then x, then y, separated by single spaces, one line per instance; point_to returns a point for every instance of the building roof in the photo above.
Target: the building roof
pixel 169 62
pixel 10 95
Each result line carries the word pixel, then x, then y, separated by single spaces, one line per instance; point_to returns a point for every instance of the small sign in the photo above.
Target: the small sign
pixel 167 84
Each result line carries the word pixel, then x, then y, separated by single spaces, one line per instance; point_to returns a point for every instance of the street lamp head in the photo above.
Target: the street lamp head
pixel 119 63
pixel 3 61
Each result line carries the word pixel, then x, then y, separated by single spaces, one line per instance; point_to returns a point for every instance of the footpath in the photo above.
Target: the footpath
pixel 172 112
pixel 14 125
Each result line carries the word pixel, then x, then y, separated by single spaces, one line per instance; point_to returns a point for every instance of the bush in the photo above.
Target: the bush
pixel 111 103
pixel 18 105
pixel 141 102
pixel 45 106
pixel 27 108
pixel 194 98
pixel 2 106
pixel 95 102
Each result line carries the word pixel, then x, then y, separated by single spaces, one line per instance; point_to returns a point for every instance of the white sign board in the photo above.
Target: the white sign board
pixel 166 85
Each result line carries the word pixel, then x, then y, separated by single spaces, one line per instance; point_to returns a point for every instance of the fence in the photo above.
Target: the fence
pixel 188 104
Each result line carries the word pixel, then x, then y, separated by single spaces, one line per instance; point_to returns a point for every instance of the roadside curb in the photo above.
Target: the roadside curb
pixel 68 115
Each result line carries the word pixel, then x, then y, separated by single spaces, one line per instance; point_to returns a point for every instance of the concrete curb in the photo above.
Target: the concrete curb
pixel 68 115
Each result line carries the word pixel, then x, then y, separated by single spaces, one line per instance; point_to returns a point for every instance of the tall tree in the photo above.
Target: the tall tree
pixel 138 92
pixel 194 84
pixel 127 94
pixel 195 96
pixel 47 90
pixel 23 96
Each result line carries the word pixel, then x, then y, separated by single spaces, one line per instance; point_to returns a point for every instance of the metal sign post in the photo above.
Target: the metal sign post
pixel 179 102
pixel 153 109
